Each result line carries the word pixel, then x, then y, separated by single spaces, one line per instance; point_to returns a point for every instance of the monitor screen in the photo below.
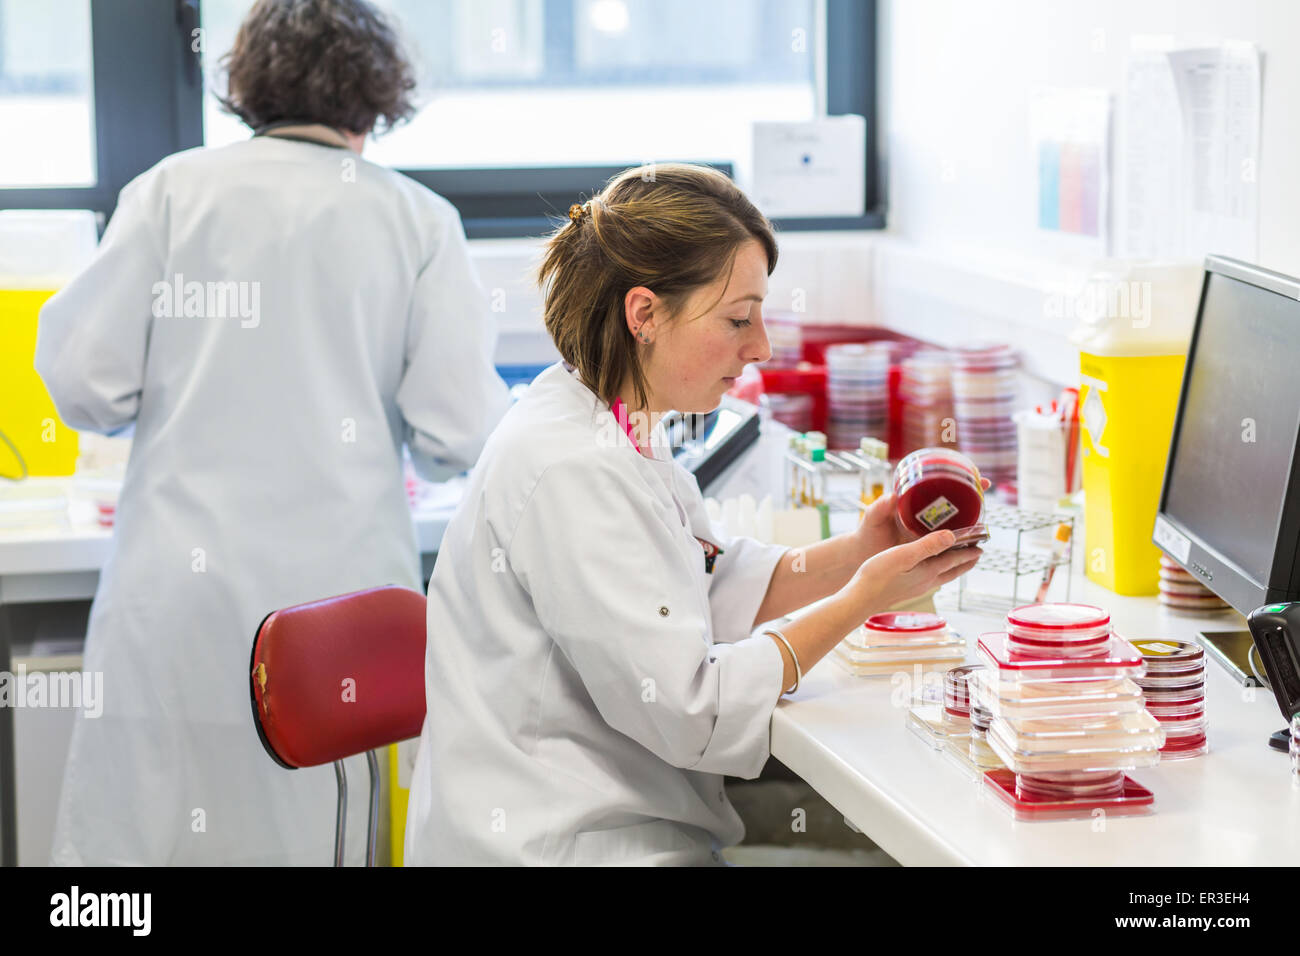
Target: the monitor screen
pixel 1236 434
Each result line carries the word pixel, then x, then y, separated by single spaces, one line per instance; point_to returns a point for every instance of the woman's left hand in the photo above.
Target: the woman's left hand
pixel 880 528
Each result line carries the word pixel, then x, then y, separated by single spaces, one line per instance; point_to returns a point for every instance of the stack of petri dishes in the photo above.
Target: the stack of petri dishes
pixel 1174 688
pixel 938 488
pixel 894 639
pixel 925 393
pixel 1068 718
pixel 792 409
pixel 857 392
pixel 1180 591
pixel 984 392
pixel 981 755
pixel 939 721
pixel 786 340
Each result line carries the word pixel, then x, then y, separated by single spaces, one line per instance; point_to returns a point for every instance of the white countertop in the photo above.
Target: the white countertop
pixel 844 735
pixel 1236 805
pixel 77 543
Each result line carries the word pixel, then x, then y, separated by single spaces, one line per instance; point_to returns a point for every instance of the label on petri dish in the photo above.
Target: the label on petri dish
pixel 936 512
pixel 1155 648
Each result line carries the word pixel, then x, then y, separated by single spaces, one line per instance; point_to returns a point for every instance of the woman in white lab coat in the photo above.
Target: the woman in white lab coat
pixel 591 673
pixel 276 318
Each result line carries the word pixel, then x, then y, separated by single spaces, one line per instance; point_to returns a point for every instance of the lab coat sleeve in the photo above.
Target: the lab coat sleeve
pixel 610 581
pixel 739 583
pixel 741 573
pixel 450 396
pixel 93 335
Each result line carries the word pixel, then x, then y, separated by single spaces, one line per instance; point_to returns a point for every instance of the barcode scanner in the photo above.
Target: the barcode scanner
pixel 1275 629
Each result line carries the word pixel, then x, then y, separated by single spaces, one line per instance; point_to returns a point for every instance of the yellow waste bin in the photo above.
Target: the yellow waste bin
pixel 39 252
pixel 1132 340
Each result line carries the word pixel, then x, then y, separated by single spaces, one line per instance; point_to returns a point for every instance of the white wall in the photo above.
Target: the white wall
pixel 962 258
pixel 959 76
pixel 962 255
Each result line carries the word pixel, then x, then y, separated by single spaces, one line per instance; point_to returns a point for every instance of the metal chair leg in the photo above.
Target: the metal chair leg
pixel 372 827
pixel 341 819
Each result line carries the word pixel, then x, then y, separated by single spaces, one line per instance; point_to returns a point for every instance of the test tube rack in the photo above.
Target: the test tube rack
pixel 1025 558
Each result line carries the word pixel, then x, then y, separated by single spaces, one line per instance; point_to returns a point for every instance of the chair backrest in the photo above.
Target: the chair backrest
pixel 340 676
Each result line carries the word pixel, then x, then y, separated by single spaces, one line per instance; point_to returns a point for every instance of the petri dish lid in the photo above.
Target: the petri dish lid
pixel 908 622
pixel 1057 697
pixel 1066 730
pixel 1174 683
pixel 1175 696
pixel 1117 659
pixel 1184 728
pixel 1143 754
pixel 1164 657
pixel 1057 618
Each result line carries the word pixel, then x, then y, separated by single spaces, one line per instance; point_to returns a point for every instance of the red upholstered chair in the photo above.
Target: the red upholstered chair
pixel 339 677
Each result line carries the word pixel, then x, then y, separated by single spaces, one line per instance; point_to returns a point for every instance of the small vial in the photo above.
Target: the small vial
pixel 1295 747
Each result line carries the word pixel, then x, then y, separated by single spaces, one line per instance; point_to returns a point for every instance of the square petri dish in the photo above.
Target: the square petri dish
pixel 1072 758
pixel 1062 698
pixel 1117 659
pixel 1082 733
pixel 1134 799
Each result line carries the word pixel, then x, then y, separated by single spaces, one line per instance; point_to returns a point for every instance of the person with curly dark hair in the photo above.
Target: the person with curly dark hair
pixel 333 63
pixel 278 319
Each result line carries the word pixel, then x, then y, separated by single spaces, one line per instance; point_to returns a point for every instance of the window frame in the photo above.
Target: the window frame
pixel 148 100
pixel 493 203
pixel 145 68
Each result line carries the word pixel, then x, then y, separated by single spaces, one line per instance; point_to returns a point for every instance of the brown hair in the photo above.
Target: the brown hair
pixel 669 227
pixel 336 62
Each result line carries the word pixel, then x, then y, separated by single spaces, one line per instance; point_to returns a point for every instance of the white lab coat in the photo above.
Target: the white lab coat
pixel 588 683
pixel 266 470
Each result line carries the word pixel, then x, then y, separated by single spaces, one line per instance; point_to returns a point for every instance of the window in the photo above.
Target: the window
pixel 46 95
pixel 526 104
pixel 92 93
pixel 508 83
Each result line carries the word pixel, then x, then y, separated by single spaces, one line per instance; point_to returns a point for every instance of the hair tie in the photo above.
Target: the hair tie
pixel 576 212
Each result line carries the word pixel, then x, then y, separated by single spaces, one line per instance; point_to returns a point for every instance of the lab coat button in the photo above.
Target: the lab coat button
pixel 663 611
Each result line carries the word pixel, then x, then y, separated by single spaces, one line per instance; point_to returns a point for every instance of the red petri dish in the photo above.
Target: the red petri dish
pixel 1133 798
pixel 1069 786
pixel 1180 743
pixel 1196 713
pixel 904 622
pixel 1060 630
pixel 938 488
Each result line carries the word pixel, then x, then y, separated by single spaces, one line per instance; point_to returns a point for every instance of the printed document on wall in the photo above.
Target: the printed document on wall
pixel 1191 150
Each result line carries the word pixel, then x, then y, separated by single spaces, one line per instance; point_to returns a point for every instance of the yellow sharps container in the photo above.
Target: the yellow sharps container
pixel 39 252
pixel 1135 327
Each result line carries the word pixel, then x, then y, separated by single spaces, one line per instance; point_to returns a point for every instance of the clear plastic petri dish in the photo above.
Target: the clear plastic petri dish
pixel 1118 659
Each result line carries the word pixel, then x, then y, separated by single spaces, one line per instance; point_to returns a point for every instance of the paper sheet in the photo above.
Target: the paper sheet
pixel 1191 150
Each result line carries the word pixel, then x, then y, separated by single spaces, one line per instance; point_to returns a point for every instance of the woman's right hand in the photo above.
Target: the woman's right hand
pixel 907 571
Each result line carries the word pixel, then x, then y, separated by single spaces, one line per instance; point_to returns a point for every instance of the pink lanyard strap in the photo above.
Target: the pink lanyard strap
pixel 621 416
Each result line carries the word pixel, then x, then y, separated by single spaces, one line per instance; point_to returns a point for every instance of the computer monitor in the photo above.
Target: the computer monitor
pixel 1230 506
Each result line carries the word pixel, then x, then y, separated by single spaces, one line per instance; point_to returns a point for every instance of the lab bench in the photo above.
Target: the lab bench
pixel 1238 805
pixel 50 575
pixel 846 736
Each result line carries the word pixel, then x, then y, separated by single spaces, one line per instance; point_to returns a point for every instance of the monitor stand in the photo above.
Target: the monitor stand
pixel 1232 649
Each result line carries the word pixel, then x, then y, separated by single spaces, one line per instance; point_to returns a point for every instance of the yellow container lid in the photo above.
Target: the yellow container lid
pixel 44 248
pixel 1130 308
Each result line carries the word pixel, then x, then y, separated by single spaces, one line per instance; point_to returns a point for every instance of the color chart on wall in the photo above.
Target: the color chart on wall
pixel 1069 132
